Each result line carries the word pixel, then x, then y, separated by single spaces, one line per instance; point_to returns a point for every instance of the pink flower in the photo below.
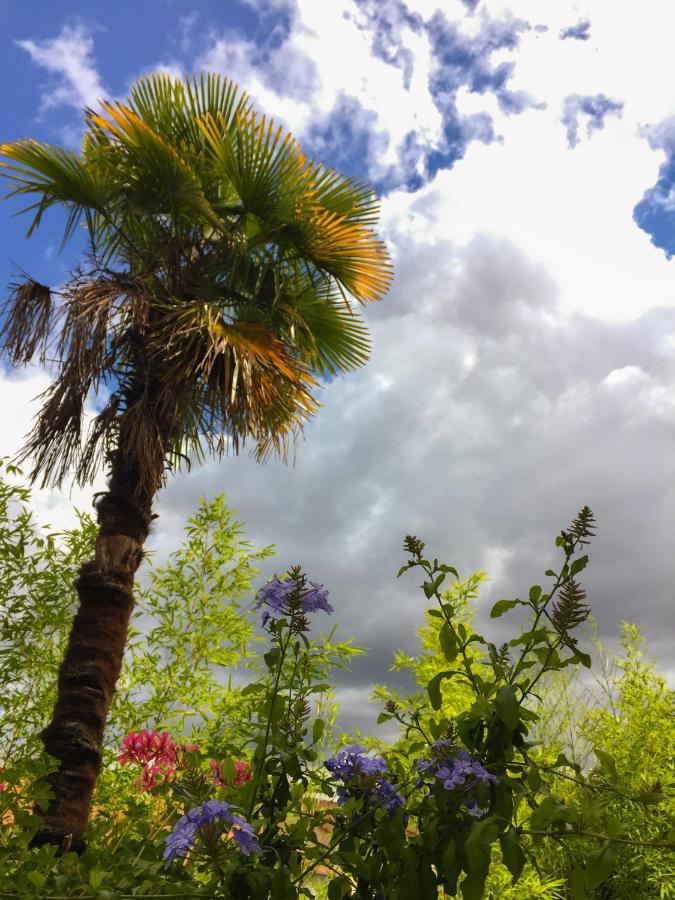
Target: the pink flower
pixel 3 786
pixel 242 773
pixel 155 751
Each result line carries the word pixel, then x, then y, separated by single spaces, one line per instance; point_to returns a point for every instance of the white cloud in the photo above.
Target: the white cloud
pixel 69 58
pixel 523 363
pixel 20 395
pixel 327 55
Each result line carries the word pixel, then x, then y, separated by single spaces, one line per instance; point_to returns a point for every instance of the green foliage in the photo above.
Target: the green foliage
pixel 189 632
pixel 37 570
pixel 492 788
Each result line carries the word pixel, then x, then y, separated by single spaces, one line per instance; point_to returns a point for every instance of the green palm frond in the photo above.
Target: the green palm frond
pixel 160 180
pixel 332 337
pixel 55 175
pixel 173 108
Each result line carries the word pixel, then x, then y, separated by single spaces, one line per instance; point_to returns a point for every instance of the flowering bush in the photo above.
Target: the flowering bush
pixel 255 804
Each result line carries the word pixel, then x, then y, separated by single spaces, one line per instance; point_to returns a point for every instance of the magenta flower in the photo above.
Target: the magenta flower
pixel 156 752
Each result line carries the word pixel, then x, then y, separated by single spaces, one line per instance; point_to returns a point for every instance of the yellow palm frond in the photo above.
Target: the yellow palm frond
pixel 159 173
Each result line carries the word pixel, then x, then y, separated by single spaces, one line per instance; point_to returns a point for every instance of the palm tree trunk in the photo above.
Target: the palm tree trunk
pixel 94 654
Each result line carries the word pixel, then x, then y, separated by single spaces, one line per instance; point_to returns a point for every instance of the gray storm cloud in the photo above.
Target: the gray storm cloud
pixel 484 421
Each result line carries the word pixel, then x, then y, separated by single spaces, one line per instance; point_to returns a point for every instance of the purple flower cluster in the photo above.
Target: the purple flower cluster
pixel 362 778
pixel 181 840
pixel 454 769
pixel 276 594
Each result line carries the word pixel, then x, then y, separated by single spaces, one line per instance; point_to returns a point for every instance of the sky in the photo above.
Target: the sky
pixel 523 362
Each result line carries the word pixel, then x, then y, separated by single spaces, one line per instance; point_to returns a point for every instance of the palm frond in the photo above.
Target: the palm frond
pixel 56 176
pixel 328 333
pixel 356 258
pixel 162 182
pixel 27 320
pixel 243 375
pixel 173 108
pixel 257 159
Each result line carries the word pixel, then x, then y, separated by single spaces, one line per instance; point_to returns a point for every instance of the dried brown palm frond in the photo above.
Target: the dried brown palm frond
pixel 27 321
pixel 244 380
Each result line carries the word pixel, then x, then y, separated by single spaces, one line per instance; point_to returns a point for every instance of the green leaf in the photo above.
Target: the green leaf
pixel 583 658
pixel 607 763
pixel 36 878
pixel 598 865
pixel 577 886
pixel 501 606
pixel 271 657
pixel 96 876
pixel 429 588
pixel 318 729
pixel 338 888
pixel 434 688
pixel 513 854
pixel 448 641
pixel 535 637
pixel 507 706
pixel 535 594
pixel 383 717
pixel 578 565
pixel 478 853
pixel 451 866
pixel 533 779
pixel 451 569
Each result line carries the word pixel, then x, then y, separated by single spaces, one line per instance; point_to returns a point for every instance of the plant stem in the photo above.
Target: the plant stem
pixel 662 845
pixel 275 691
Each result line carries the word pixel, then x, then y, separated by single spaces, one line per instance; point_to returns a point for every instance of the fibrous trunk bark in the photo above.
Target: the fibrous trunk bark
pixel 94 654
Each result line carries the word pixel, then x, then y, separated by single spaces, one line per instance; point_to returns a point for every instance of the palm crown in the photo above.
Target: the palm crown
pixel 221 268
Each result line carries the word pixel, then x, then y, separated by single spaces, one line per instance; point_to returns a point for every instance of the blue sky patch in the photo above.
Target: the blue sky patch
pixel 655 213
pixel 346 138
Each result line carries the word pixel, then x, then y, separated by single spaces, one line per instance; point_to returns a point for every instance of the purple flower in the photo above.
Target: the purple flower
pixel 456 770
pixel 387 793
pixel 184 834
pixel 352 761
pixel 362 779
pixel 244 836
pixel 451 777
pixel 276 595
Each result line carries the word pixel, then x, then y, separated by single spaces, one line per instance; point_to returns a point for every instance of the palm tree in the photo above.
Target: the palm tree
pixel 221 264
